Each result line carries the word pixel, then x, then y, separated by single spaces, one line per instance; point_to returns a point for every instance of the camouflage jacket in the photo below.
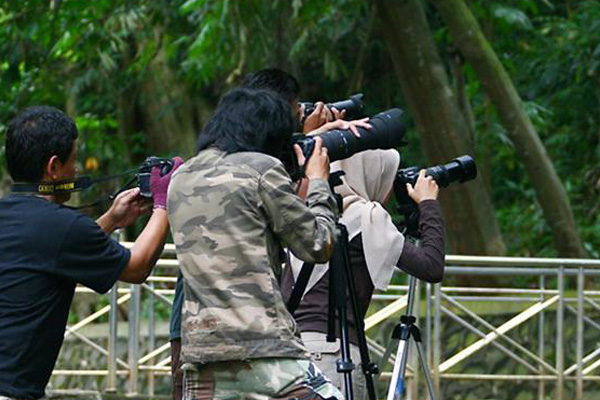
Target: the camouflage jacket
pixel 230 215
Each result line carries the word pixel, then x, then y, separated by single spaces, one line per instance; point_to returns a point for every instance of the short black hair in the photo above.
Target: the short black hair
pixel 249 120
pixel 279 81
pixel 34 136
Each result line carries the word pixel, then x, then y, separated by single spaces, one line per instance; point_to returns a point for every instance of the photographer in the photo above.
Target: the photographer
pixel 231 209
pixel 286 86
pixel 46 249
pixel 376 248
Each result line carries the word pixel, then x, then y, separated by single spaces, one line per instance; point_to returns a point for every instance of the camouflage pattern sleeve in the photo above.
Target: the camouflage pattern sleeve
pixel 308 231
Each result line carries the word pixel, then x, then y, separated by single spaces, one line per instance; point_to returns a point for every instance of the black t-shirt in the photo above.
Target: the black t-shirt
pixel 45 250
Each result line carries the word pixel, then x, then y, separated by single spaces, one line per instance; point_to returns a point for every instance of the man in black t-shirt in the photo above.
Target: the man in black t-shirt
pixel 46 249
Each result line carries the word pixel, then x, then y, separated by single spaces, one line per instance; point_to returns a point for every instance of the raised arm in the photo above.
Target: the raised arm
pixel 307 230
pixel 427 260
pixel 149 244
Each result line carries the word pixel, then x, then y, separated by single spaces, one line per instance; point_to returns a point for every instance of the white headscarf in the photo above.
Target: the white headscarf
pixel 369 178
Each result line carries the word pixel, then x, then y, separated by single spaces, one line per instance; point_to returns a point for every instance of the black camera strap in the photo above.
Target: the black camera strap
pixel 68 186
pixel 51 188
pixel 300 287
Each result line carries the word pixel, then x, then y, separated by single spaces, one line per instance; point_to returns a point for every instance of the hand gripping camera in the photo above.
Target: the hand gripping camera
pixel 461 169
pixel 145 171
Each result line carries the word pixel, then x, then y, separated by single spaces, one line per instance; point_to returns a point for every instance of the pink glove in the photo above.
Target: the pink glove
pixel 160 184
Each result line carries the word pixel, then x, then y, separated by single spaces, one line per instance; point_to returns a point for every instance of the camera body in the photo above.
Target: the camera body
pixel 145 171
pixel 354 106
pixel 459 170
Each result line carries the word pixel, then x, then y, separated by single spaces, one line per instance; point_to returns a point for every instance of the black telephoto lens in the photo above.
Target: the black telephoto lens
pixel 354 106
pixel 460 170
pixel 387 132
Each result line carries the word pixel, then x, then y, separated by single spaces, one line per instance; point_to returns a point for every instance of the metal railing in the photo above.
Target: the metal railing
pixel 443 305
pixel 550 296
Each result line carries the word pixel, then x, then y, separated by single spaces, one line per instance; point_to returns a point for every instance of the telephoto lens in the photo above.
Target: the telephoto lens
pixel 354 106
pixel 387 132
pixel 461 169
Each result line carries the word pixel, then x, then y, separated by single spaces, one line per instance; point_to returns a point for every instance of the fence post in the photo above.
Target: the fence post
pixel 134 339
pixel 413 359
pixel 541 341
pixel 580 295
pixel 113 320
pixel 151 338
pixel 113 316
pixel 560 362
pixel 437 339
pixel 428 341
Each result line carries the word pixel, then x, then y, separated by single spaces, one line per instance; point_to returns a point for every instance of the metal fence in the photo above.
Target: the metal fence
pixel 560 295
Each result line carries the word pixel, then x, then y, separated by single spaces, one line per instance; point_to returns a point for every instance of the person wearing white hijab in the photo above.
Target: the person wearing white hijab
pixel 376 249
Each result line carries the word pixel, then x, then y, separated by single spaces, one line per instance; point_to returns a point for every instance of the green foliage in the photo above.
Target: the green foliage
pixel 552 55
pixel 90 57
pixel 512 16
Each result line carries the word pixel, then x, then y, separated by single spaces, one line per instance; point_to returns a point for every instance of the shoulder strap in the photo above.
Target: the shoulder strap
pixel 300 287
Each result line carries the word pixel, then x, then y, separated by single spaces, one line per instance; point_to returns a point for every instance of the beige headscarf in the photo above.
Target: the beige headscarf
pixel 369 178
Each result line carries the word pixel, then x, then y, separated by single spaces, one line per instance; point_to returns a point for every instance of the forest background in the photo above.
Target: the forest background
pixel 514 83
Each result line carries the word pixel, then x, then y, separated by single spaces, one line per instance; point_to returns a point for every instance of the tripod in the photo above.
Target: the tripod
pixel 403 332
pixel 342 284
pixel 407 328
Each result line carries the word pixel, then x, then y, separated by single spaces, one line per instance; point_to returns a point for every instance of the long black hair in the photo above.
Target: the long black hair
pixel 249 120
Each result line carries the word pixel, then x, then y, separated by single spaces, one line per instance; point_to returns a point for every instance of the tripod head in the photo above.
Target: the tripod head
pixel 410 225
pixel 335 179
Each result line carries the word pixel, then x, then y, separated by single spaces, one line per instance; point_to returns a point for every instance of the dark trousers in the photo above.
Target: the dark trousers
pixel 176 371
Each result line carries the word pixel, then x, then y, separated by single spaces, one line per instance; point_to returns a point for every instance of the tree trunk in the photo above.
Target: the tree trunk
pixel 550 191
pixel 126 125
pixel 470 220
pixel 463 99
pixel 167 111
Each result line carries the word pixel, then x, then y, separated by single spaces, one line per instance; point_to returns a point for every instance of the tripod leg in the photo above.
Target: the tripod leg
pixel 338 300
pixel 345 365
pixel 396 388
pixel 368 368
pixel 386 356
pixel 428 379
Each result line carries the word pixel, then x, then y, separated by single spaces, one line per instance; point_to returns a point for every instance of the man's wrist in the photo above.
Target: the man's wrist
pixel 107 222
pixel 160 212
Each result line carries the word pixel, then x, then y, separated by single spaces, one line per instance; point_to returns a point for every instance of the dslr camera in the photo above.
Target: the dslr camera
pixel 145 171
pixel 461 169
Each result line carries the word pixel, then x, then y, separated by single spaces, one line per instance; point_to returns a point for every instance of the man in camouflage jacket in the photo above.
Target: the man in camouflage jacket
pixel 231 209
